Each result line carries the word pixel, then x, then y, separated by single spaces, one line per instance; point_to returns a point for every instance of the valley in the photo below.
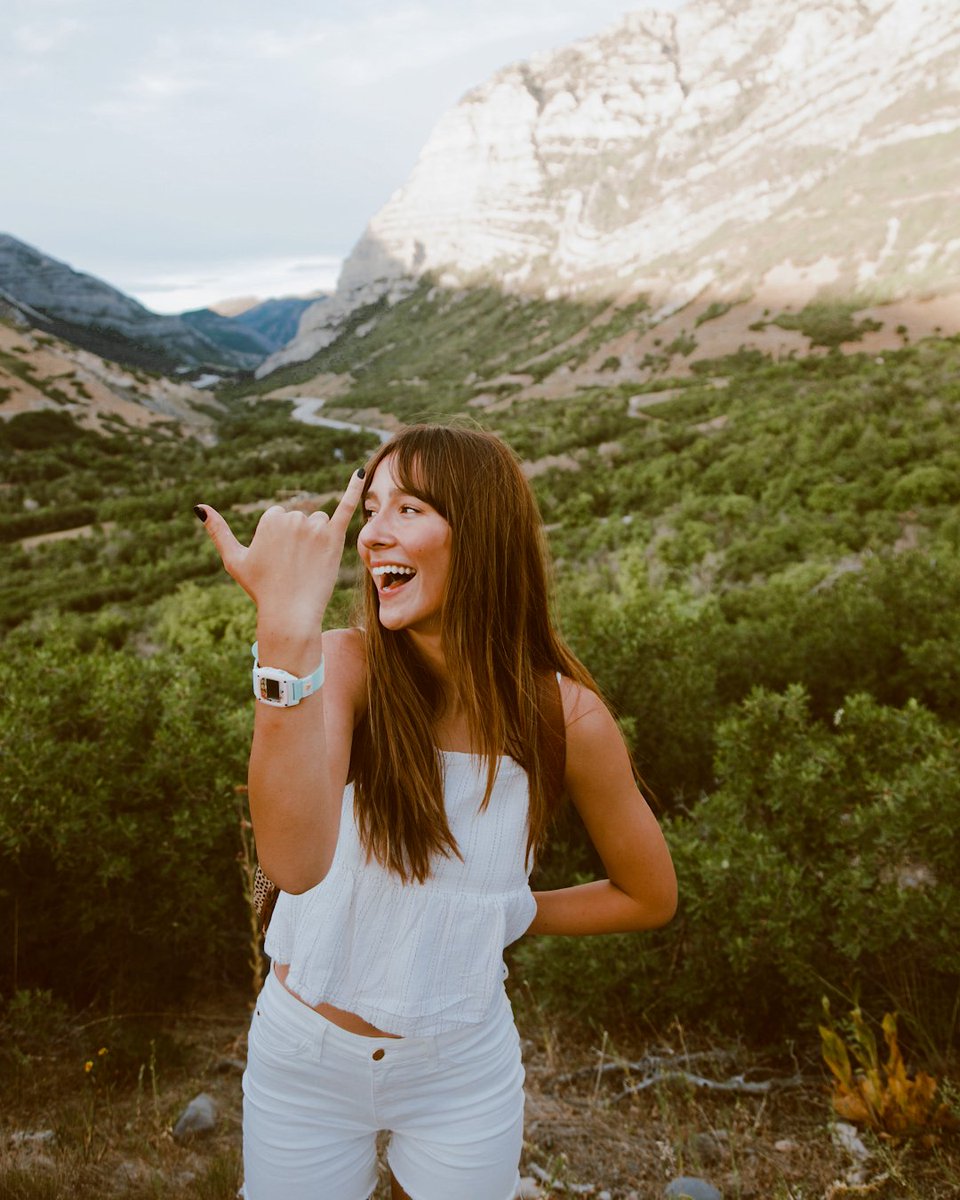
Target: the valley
pixel 701 273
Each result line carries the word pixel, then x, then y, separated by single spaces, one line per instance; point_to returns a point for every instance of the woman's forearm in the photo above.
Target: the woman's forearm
pixel 600 907
pixel 294 805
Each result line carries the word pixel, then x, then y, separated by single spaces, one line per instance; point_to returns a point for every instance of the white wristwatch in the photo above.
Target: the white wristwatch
pixel 280 688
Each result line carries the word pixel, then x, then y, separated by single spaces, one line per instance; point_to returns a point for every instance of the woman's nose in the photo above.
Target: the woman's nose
pixel 375 532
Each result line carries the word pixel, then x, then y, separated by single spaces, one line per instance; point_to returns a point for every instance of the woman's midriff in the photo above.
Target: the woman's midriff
pixel 336 1016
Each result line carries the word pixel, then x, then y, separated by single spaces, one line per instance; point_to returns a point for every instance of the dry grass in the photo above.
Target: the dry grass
pixel 111 1123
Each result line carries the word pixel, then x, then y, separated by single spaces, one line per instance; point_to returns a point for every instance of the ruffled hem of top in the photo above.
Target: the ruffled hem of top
pixel 394 954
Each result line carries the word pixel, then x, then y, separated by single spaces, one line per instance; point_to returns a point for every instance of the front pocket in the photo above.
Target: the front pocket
pixel 491 1047
pixel 275 1038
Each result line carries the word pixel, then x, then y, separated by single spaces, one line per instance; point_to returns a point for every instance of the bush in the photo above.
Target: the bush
pixel 825 860
pixel 829 323
pixel 39 430
pixel 118 819
pixel 652 655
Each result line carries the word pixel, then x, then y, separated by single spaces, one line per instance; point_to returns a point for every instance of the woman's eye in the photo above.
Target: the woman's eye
pixel 408 508
pixel 368 513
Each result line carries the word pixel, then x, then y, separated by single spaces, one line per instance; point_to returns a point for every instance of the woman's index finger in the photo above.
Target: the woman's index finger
pixel 348 503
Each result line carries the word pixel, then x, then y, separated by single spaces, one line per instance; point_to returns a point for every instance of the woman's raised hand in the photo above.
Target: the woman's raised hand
pixel 290 567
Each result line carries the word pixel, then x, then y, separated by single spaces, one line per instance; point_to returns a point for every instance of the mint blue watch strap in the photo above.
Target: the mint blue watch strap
pixel 296 689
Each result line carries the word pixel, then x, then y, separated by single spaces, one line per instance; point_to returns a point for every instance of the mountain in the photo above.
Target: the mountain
pixel 41 372
pixel 252 334
pixel 245 345
pixel 91 314
pixel 738 162
pixel 276 320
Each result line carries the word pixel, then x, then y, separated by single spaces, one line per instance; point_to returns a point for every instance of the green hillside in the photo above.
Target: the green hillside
pixel 759 560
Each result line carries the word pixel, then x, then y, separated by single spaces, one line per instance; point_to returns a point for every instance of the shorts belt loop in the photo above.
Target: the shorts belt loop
pixel 321 1028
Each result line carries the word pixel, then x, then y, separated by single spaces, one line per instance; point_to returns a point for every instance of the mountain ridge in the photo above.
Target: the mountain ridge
pixel 728 152
pixel 93 314
pixel 50 295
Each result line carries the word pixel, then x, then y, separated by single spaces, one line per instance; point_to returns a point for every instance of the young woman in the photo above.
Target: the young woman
pixel 399 804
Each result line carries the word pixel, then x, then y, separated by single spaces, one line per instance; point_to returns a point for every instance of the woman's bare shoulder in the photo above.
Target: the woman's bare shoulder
pixel 580 702
pixel 345 664
pixel 592 730
pixel 345 643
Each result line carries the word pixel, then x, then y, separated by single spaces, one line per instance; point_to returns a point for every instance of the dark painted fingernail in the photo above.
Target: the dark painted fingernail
pixel 360 472
pixel 199 512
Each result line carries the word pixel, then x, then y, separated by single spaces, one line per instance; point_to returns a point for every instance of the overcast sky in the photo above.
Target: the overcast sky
pixel 191 150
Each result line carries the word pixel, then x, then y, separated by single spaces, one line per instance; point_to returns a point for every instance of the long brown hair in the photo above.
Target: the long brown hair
pixel 495 629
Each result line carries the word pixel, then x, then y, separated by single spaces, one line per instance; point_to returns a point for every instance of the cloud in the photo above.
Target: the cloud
pixel 194 131
pixel 149 90
pixel 368 49
pixel 161 85
pixel 38 38
pixel 179 290
pixel 295 52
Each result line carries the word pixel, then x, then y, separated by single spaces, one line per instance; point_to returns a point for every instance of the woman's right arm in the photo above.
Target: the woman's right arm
pixel 300 758
pixel 300 755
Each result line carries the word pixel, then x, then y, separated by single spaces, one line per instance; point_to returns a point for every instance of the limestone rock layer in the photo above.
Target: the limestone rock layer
pixel 723 147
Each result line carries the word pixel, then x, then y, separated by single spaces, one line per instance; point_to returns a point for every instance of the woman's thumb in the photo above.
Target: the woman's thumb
pixel 222 536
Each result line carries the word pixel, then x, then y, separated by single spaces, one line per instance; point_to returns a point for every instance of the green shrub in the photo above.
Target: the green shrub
pixel 684 343
pixel 826 859
pixel 829 323
pixel 118 818
pixel 891 629
pixel 651 655
pixel 42 429
pixel 714 310
pixel 925 486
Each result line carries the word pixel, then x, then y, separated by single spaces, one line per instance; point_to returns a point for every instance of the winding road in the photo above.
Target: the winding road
pixel 307 408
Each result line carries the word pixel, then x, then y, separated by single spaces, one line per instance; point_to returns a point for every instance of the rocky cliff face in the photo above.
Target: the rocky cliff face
pixel 735 148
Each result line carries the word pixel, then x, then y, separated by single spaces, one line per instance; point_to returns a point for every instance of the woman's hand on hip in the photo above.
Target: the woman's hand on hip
pixel 290 567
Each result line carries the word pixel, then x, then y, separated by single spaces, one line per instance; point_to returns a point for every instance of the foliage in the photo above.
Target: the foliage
pixel 825 857
pixel 881 1095
pixel 136 489
pixel 39 430
pixel 117 819
pixel 714 310
pixel 651 654
pixel 741 554
pixel 684 343
pixel 829 323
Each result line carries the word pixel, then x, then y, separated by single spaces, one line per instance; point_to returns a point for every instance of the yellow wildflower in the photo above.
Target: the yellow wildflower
pixel 102 1051
pixel 88 1066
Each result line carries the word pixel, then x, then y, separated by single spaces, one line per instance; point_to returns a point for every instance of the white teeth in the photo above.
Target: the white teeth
pixel 392 570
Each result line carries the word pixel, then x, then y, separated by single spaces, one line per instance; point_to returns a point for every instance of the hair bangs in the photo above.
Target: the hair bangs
pixel 421 464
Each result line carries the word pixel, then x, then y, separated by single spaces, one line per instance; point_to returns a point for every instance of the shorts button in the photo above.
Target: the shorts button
pixel 379 1053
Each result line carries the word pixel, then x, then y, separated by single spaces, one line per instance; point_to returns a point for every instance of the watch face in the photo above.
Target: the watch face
pixel 270 688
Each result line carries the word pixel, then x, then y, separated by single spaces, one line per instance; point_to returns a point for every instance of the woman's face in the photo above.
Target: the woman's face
pixel 405 545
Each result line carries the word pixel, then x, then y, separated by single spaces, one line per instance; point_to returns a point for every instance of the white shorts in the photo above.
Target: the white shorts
pixel 315 1096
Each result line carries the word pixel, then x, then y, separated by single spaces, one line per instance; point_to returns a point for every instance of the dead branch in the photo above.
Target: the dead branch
pixel 650 1062
pixel 736 1083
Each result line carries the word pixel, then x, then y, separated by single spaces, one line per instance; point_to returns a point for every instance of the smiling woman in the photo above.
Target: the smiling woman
pixel 400 809
pixel 405 545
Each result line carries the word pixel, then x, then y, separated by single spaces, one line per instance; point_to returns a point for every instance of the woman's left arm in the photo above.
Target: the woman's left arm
pixel 641 889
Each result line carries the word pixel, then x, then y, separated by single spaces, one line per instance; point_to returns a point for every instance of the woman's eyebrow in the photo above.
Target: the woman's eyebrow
pixel 393 492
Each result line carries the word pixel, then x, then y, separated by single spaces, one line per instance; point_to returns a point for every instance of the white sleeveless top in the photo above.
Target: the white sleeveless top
pixel 416 958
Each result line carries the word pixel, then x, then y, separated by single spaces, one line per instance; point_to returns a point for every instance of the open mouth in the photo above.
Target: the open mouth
pixel 391 578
